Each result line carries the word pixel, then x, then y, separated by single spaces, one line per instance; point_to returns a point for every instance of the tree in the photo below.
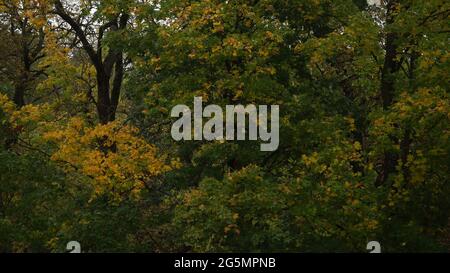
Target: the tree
pixel 109 66
pixel 22 25
pixel 86 150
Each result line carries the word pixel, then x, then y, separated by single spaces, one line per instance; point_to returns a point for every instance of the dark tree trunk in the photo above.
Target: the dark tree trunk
pixel 391 66
pixel 19 95
pixel 107 94
pixel 391 63
pixel 103 100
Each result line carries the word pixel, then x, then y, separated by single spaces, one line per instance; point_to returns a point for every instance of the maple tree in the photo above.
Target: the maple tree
pixel 85 130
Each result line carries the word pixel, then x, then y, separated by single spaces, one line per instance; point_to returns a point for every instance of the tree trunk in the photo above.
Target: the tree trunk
pixel 19 95
pixel 107 95
pixel 103 100
pixel 391 66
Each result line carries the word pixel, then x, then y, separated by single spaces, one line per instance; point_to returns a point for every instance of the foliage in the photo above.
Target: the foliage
pixel 86 152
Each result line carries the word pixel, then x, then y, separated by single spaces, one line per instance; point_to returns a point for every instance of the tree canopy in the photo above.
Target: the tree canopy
pixel 86 90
